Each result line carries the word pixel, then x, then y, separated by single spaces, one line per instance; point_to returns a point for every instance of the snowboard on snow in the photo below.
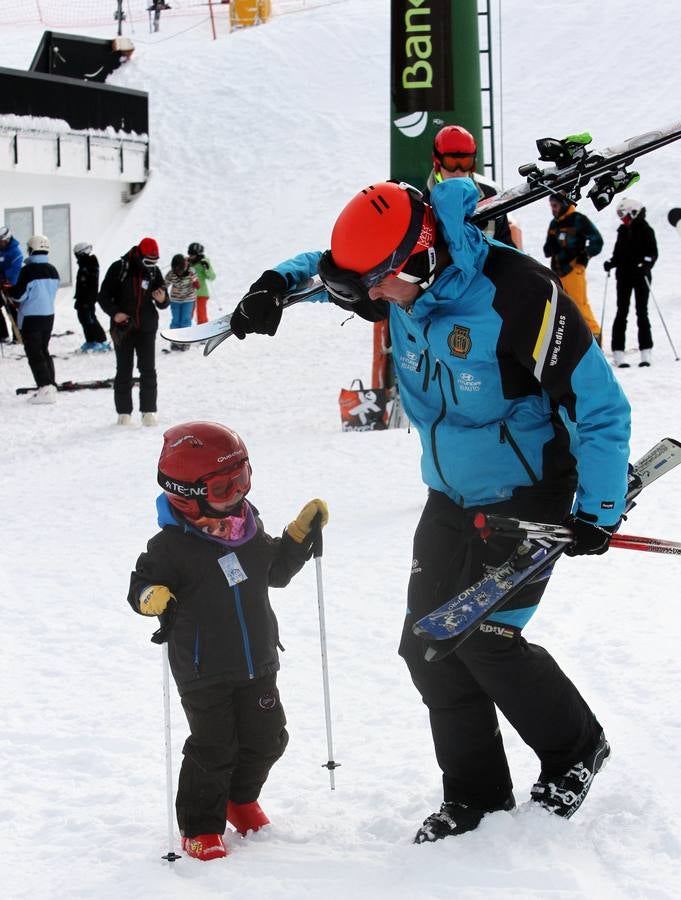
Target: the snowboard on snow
pixel 456 619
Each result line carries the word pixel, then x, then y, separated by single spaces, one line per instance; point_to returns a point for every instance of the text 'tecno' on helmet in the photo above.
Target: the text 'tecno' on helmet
pixel 386 229
pixel 202 463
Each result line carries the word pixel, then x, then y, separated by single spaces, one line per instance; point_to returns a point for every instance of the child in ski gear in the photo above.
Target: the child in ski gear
pixel 571 241
pixel 11 260
pixel 35 293
pixel 87 288
pixel 207 575
pixel 633 259
pixel 518 414
pixel 132 291
pixel 205 273
pixel 454 156
pixel 183 283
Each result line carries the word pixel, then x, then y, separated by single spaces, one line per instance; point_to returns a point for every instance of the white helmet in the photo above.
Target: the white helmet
pixel 39 244
pixel 628 208
pixel 82 247
pixel 5 233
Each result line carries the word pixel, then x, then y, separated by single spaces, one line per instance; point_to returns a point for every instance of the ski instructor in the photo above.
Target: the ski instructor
pixel 519 414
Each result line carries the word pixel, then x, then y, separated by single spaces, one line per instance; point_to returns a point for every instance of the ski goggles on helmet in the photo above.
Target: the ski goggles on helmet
pixel 229 485
pixel 452 162
pixel 418 242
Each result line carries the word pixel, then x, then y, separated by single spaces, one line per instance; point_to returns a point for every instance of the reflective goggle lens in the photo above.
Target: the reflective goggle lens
pixel 230 486
pixel 454 161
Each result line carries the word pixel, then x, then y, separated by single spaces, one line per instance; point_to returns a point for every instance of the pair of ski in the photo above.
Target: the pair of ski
pixel 539 547
pixel 574 169
pixel 69 386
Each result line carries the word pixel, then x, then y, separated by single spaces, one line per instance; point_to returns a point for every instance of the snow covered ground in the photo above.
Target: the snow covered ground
pixel 258 140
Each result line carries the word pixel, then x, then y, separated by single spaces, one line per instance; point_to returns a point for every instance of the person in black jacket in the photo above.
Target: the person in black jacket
pixel 207 574
pixel 87 287
pixel 633 258
pixel 132 290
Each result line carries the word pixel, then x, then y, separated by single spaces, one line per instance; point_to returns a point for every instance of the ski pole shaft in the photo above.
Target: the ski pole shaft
pixel 517 528
pixel 605 297
pixel 317 551
pixel 170 856
pixel 650 545
pixel 664 324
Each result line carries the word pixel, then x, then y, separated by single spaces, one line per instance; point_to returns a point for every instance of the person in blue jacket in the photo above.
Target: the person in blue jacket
pixel 11 260
pixel 519 414
pixel 35 293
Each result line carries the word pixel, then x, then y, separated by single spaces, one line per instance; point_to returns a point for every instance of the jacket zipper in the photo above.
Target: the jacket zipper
pixel 505 435
pixel 196 652
pixel 244 631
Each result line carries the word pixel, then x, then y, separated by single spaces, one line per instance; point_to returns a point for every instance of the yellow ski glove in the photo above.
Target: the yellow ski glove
pixel 154 599
pixel 302 524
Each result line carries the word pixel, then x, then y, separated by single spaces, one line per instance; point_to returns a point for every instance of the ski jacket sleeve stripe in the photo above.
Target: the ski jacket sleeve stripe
pixel 547 335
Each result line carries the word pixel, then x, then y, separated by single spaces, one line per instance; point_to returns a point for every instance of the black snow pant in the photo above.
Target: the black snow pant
pixel 36 332
pixel 626 283
pixel 142 343
pixel 237 734
pixel 92 330
pixel 494 668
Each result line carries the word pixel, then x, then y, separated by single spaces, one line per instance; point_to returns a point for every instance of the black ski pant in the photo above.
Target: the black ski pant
pixel 142 343
pixel 237 734
pixel 626 283
pixel 92 330
pixel 494 668
pixel 36 332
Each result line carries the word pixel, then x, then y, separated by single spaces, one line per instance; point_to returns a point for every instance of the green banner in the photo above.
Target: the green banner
pixel 435 80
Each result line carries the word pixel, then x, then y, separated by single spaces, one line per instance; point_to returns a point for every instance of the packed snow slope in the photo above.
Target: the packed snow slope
pixel 258 140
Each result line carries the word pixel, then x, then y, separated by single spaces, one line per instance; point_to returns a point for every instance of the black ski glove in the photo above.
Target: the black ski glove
pixel 260 309
pixel 590 539
pixel 644 269
pixel 608 264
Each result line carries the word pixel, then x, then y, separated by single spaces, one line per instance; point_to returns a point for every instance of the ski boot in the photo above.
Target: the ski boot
pixel 204 846
pixel 453 819
pixel 246 817
pixel 564 152
pixel 565 794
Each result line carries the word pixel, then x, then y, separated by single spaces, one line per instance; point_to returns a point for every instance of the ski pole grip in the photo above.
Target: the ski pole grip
pixel 316 532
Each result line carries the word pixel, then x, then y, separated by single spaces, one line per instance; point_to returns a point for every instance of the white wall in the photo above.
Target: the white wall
pixel 95 204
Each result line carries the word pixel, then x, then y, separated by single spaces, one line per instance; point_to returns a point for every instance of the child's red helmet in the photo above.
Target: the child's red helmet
pixel 203 463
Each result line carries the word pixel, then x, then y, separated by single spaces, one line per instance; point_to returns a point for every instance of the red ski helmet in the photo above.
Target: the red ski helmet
pixel 454 148
pixel 203 463
pixel 386 229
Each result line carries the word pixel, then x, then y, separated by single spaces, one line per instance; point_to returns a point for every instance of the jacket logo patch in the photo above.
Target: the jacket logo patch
pixel 459 341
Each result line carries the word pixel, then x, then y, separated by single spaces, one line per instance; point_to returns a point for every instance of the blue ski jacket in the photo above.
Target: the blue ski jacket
pixel 499 374
pixel 36 287
pixel 11 259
